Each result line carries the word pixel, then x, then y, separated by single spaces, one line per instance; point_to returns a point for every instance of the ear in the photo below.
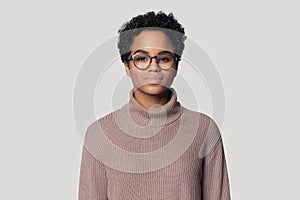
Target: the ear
pixel 126 65
pixel 176 70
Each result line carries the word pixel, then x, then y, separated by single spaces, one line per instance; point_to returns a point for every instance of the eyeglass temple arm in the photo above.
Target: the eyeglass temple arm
pixel 177 57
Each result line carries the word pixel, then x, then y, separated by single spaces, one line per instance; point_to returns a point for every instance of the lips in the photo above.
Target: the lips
pixel 153 80
pixel 154 77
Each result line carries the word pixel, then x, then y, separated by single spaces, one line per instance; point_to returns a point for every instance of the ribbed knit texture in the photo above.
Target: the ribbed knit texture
pixel 199 172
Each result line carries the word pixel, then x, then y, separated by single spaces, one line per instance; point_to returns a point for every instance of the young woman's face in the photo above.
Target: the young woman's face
pixel 153 80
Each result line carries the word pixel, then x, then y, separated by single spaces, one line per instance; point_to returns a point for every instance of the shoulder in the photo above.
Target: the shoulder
pixel 105 122
pixel 204 118
pixel 209 132
pixel 106 119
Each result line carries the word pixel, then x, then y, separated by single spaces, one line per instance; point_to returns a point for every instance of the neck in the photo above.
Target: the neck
pixel 148 100
pixel 157 116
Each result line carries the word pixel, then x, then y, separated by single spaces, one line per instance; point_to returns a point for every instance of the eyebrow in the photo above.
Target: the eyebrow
pixel 143 51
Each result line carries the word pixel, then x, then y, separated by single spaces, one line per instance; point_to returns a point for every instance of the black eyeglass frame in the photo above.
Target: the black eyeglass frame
pixel 174 56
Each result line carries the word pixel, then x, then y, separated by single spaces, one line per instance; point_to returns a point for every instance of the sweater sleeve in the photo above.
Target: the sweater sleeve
pixel 92 181
pixel 215 183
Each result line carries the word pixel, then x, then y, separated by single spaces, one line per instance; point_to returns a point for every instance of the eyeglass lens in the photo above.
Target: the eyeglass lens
pixel 142 60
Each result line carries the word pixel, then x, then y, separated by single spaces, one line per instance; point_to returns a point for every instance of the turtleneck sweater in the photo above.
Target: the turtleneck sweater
pixel 166 152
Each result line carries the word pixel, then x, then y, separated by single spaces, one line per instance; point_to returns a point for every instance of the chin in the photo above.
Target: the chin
pixel 153 89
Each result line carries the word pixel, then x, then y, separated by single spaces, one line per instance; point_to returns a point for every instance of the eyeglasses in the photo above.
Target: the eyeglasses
pixel 142 60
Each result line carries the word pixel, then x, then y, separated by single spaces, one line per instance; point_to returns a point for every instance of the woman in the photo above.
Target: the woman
pixel 172 152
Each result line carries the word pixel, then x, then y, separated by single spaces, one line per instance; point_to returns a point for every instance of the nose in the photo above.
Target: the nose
pixel 153 65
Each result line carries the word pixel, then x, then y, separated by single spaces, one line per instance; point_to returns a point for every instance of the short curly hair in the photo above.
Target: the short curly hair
pixel 151 21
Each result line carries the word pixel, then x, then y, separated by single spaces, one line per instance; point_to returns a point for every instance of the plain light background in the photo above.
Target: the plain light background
pixel 254 44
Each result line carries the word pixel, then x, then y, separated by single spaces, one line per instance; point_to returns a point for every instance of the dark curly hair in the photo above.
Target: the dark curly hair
pixel 151 21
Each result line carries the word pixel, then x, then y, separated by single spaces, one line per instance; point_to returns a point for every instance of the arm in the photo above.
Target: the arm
pixel 215 183
pixel 93 182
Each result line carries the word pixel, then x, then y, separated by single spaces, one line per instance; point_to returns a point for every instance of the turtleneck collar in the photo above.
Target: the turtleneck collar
pixel 156 116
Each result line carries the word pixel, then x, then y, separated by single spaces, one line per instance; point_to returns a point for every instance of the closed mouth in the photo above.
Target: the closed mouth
pixel 153 78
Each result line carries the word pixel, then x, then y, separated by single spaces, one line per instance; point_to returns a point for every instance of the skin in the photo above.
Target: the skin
pixel 148 94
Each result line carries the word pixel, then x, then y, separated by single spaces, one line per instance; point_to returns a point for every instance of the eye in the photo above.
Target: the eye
pixel 165 58
pixel 141 58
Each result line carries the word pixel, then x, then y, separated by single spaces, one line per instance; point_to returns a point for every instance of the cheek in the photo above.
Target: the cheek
pixel 137 77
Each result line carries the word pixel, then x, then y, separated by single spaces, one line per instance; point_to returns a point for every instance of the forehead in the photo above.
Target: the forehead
pixel 152 41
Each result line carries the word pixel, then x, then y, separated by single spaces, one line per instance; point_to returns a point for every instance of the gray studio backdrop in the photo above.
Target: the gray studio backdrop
pixel 254 46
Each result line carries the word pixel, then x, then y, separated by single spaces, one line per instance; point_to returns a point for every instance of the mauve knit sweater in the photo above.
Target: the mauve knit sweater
pixel 167 152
